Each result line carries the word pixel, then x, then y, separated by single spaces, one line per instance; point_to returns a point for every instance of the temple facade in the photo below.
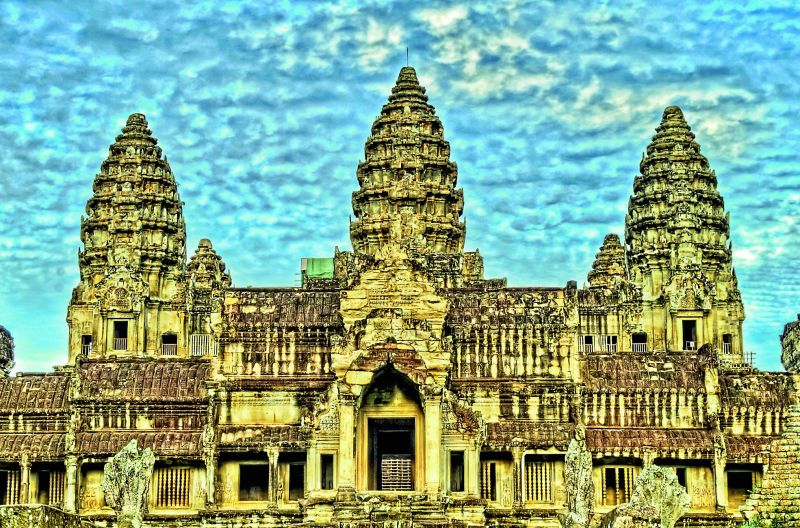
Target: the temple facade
pixel 397 384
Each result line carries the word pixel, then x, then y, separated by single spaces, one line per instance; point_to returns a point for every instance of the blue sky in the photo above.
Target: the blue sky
pixel 263 109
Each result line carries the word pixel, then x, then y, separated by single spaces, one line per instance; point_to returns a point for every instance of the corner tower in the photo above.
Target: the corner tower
pixel 132 264
pixel 407 182
pixel 679 251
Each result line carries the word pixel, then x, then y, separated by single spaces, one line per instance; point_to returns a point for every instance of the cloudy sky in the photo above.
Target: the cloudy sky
pixel 263 110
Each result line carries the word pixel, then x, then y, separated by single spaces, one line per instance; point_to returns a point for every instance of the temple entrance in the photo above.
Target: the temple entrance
pixel 390 440
pixel 391 454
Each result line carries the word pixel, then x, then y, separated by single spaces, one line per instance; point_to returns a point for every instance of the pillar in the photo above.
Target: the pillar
pixel 312 468
pixel 433 444
pixel 720 482
pixel 25 480
pixel 346 466
pixel 71 491
pixel 720 485
pixel 212 462
pixel 517 454
pixel 473 471
pixel 273 485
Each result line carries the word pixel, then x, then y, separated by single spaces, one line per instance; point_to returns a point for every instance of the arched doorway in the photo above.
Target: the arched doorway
pixel 390 435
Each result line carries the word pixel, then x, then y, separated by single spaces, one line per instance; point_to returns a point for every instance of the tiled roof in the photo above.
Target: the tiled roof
pixel 748 448
pixel 756 389
pixel 620 370
pixel 604 439
pixel 533 435
pixel 162 443
pixel 282 307
pixel 41 446
pixel 249 436
pixel 174 380
pixel 34 393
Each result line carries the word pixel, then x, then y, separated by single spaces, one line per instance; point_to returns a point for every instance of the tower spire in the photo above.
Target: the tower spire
pixel 677 234
pixel 407 182
pixel 135 218
pixel 676 216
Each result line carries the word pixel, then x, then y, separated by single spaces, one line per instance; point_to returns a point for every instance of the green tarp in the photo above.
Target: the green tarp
pixel 317 268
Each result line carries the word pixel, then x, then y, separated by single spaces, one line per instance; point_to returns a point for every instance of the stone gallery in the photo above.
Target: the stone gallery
pixel 398 386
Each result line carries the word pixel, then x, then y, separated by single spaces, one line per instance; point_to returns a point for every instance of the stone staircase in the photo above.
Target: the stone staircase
pixel 397 513
pixel 778 499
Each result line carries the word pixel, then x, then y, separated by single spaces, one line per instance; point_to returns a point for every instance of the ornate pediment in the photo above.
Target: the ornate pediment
pixel 122 290
pixel 690 290
pixel 392 307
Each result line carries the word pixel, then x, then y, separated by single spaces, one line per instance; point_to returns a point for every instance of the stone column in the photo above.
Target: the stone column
pixel 212 462
pixel 433 444
pixel 273 485
pixel 720 482
pixel 71 491
pixel 473 471
pixel 518 455
pixel 25 480
pixel 347 431
pixel 648 456
pixel 312 468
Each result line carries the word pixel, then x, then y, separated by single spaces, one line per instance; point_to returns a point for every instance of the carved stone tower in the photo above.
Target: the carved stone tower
pixel 132 264
pixel 678 248
pixel 408 183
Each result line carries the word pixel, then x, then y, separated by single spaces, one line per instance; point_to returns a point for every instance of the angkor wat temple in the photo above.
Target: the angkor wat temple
pixel 397 383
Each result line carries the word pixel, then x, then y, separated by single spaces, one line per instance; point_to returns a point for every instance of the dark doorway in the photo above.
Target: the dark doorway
pixel 689 334
pixel 326 472
pixel 456 471
pixel 391 454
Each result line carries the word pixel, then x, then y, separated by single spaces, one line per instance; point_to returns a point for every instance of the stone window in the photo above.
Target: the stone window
pixel 326 469
pixel 49 485
pixel 297 480
pixel 639 342
pixel 727 344
pixel 173 487
pixel 253 482
pixel 608 343
pixel 120 335
pixel 9 486
pixel 169 345
pixel 456 471
pixel 201 345
pixel 489 480
pixel 617 484
pixel 586 344
pixel 86 345
pixel 538 479
pixel 689 327
pixel 90 494
pixel 293 469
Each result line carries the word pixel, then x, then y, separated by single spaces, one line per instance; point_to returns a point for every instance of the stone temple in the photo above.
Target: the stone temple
pixel 397 386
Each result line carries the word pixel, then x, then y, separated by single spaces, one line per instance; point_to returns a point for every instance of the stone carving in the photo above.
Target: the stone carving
pixel 579 485
pixel 790 345
pixel 126 483
pixel 630 515
pixel 6 351
pixel 658 487
pixel 657 501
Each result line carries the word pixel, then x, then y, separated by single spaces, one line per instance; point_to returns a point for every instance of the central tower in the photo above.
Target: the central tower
pixel 407 182
pixel 679 250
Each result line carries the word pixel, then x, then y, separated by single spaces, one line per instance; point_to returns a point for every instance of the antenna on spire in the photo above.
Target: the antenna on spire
pixel 406 55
